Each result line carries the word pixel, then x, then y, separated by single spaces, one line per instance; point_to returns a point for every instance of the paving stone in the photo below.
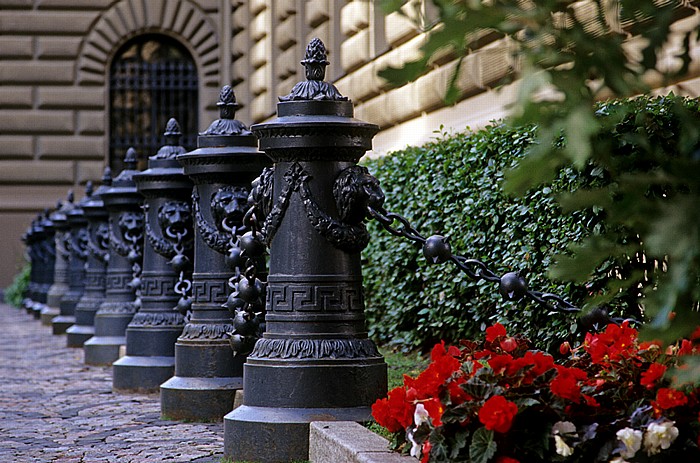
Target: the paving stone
pixel 53 408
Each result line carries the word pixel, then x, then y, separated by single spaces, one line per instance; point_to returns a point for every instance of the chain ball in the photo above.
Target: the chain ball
pixel 184 305
pixel 179 263
pixel 234 303
pixel 512 286
pixel 243 322
pixel 237 342
pixel 137 304
pixel 134 284
pixel 252 244
pixel 437 249
pixel 234 259
pixel 595 319
pixel 133 257
pixel 249 292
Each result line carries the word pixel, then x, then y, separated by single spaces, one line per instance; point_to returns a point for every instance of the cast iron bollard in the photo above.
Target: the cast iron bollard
pixel 76 265
pixel 32 256
pixel 223 165
pixel 48 259
pixel 123 202
pixel 151 335
pixel 60 278
pixel 315 361
pixel 95 267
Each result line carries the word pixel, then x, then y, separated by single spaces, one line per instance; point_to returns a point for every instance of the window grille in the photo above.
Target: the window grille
pixel 152 78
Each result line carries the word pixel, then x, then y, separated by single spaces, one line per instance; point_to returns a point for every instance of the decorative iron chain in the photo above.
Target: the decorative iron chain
pixel 180 263
pixel 512 285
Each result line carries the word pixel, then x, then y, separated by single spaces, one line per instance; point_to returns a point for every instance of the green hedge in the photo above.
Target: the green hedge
pixel 14 292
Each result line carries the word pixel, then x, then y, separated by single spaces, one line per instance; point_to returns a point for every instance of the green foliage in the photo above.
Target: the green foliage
pixel 400 364
pixel 452 187
pixel 569 55
pixel 14 293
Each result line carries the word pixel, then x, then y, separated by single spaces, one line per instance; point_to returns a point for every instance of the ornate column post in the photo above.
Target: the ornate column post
pixel 30 240
pixel 76 265
pixel 314 361
pixel 223 165
pixel 95 266
pixel 48 260
pixel 123 202
pixel 151 335
pixel 60 276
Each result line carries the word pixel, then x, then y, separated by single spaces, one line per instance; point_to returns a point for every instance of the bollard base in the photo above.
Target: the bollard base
pixel 141 374
pixel 198 399
pixel 61 323
pixel 36 310
pixel 103 350
pixel 48 314
pixel 271 435
pixel 78 334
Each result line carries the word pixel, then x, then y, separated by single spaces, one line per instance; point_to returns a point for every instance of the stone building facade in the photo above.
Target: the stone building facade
pixel 56 57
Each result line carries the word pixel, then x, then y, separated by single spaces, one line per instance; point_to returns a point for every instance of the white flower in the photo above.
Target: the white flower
pixel 415 446
pixel 562 449
pixel 618 460
pixel 421 415
pixel 563 427
pixel 631 439
pixel 659 436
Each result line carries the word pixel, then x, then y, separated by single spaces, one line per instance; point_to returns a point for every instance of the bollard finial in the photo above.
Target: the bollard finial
pixel 71 196
pixel 88 188
pixel 227 124
pixel 314 87
pixel 107 177
pixel 172 145
pixel 130 159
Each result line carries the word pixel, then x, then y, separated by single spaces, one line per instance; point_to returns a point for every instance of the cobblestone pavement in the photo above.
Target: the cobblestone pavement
pixel 54 408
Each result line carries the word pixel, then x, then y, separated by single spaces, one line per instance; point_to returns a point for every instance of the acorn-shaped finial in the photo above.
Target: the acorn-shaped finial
pixel 227 103
pixel 172 131
pixel 107 177
pixel 88 188
pixel 71 196
pixel 315 61
pixel 130 159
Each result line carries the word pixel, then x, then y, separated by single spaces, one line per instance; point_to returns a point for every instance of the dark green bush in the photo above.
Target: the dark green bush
pixel 14 293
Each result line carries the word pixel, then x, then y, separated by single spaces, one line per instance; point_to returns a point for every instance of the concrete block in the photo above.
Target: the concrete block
pixel 354 17
pixel 349 442
pixel 18 172
pixel 21 122
pixel 58 47
pixel 85 147
pixel 354 51
pixel 58 22
pixel 71 97
pixel 15 97
pixel 16 47
pixel 91 122
pixel 16 146
pixel 56 72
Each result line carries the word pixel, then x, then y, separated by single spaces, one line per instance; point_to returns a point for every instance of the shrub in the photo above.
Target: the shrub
pixel 15 292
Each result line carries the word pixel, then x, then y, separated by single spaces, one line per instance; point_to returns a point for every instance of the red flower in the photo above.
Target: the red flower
pixel 668 398
pixel 493 332
pixel 564 348
pixel 426 451
pixel 499 363
pixel 653 373
pixel 615 343
pixel 435 409
pixel 509 344
pixel 686 348
pixel 565 384
pixel 431 381
pixel 395 413
pixel 497 414
pixel 457 394
pixel 504 459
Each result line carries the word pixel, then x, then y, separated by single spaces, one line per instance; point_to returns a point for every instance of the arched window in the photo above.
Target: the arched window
pixel 152 78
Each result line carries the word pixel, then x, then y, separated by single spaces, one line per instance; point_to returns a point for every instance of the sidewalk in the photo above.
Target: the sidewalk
pixel 54 408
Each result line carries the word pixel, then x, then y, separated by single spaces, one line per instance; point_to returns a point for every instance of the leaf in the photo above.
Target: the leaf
pixel 483 446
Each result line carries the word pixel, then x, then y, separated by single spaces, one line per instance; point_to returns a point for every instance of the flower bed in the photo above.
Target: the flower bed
pixel 612 399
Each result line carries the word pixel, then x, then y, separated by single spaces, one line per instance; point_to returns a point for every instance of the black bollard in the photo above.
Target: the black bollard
pixel 223 165
pixel 30 239
pixel 78 244
pixel 151 335
pixel 60 275
pixel 314 361
pixel 123 202
pixel 95 266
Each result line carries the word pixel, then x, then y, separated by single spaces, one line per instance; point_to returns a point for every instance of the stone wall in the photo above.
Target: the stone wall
pixel 55 56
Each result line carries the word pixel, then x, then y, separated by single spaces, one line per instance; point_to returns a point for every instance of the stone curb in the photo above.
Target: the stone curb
pixel 349 442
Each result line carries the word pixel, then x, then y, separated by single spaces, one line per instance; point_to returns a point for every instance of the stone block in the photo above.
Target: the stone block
pixel 354 17
pixel 285 33
pixel 56 72
pixel 58 22
pixel 21 122
pixel 261 108
pixel 259 25
pixel 15 97
pixel 398 28
pixel 73 4
pixel 258 53
pixel 91 122
pixel 71 97
pixel 259 80
pixel 45 172
pixel 16 47
pixel 85 147
pixel 16 146
pixel 354 52
pixel 256 6
pixel 322 31
pixel 58 47
pixel 16 4
pixel 316 12
pixel 349 442
pixel 209 6
pixel 90 170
